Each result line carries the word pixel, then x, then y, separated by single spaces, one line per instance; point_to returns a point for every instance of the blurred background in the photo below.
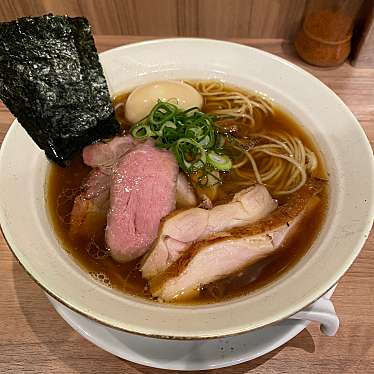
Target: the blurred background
pixel 205 18
pixel 222 19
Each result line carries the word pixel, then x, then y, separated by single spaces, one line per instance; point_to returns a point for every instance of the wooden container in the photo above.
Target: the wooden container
pixel 325 36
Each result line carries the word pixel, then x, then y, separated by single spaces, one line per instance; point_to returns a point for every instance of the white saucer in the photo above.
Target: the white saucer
pixel 182 354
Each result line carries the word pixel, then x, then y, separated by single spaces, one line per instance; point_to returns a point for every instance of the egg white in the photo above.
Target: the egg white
pixel 141 101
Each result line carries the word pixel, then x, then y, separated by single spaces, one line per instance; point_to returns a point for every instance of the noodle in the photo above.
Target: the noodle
pixel 235 104
pixel 280 161
pixel 276 159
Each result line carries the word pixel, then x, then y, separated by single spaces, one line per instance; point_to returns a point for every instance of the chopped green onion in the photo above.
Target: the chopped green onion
pixel 220 162
pixel 169 124
pixel 191 135
pixel 162 112
pixel 205 141
pixel 141 131
pixel 220 141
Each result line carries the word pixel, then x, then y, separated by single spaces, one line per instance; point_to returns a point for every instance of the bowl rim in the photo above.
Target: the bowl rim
pixel 333 279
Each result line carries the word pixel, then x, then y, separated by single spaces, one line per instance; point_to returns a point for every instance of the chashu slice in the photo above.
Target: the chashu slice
pixel 210 260
pixel 180 229
pixel 90 206
pixel 185 195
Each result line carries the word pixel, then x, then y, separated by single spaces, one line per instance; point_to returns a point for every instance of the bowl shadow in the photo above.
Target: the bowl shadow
pixel 72 351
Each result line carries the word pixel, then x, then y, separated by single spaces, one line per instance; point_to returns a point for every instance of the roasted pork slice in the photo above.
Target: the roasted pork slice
pixel 185 197
pixel 182 228
pixel 105 154
pixel 90 206
pixel 231 251
pixel 142 192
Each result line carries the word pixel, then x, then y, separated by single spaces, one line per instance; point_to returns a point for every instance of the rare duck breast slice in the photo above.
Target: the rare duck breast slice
pixel 91 205
pixel 182 228
pixel 142 192
pixel 104 155
pixel 210 260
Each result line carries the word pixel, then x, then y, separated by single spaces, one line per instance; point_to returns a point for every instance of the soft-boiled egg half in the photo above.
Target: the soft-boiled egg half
pixel 141 101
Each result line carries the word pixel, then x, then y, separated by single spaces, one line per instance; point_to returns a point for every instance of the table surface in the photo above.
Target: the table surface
pixel 34 339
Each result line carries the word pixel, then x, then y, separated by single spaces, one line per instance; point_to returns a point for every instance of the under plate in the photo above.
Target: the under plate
pixel 199 354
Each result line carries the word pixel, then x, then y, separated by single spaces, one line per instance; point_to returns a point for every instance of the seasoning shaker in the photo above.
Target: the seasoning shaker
pixel 324 38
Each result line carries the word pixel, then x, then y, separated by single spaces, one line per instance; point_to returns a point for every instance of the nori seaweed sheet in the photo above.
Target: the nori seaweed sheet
pixel 52 81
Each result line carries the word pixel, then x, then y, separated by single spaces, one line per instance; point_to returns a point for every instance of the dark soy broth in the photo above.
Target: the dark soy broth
pixel 65 183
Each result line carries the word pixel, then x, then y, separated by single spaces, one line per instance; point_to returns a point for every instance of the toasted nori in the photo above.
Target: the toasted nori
pixel 52 81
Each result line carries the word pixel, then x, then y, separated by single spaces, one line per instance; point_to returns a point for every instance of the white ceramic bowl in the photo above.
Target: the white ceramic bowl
pixel 24 218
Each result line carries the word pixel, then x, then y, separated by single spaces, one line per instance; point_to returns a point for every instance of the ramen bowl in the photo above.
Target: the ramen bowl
pixel 349 161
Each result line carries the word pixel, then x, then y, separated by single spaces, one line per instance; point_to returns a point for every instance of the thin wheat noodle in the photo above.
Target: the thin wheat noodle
pixel 240 163
pixel 282 163
pixel 297 165
pixel 244 174
pixel 234 103
pixel 276 159
pixel 253 163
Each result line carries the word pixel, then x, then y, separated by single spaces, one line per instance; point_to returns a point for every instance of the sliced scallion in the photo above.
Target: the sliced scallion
pixel 141 131
pixel 191 135
pixel 220 162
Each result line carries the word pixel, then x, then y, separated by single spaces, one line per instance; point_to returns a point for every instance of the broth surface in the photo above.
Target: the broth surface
pixel 65 183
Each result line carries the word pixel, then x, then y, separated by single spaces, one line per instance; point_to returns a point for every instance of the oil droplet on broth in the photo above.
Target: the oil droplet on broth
pixel 102 278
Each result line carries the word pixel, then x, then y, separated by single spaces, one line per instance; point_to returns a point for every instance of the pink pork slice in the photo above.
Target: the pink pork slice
pixel 105 154
pixel 143 191
pixel 91 205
